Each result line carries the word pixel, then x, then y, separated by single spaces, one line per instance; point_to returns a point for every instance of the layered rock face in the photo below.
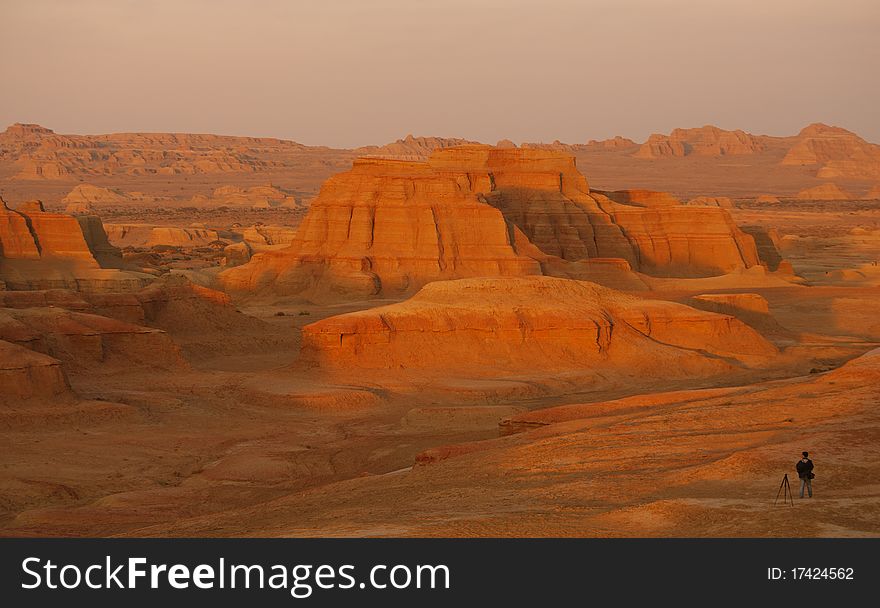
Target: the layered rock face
pixel 825 192
pixel 40 153
pixel 391 226
pixel 148 235
pixel 702 141
pixel 835 152
pixel 82 340
pixel 41 250
pixel 57 235
pixel 483 326
pixel 26 375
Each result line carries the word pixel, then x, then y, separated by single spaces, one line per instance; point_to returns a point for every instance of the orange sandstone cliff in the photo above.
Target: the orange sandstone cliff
pixel 390 226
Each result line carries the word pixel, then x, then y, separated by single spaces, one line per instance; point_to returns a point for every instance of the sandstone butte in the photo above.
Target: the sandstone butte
pixel 835 152
pixel 701 141
pixel 487 326
pixel 390 226
pixel 40 250
pixel 825 192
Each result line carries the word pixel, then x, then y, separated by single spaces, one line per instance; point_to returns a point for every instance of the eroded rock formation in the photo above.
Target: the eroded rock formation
pixel 482 326
pixel 702 141
pixel 42 250
pixel 834 152
pixel 825 192
pixel 391 226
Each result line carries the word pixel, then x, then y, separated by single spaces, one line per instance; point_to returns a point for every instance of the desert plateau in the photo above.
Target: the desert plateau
pixel 209 335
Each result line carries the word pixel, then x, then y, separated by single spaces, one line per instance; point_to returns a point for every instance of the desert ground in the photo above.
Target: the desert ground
pixel 204 335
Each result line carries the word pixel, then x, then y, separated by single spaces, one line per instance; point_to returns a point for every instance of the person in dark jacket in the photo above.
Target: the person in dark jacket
pixel 805 472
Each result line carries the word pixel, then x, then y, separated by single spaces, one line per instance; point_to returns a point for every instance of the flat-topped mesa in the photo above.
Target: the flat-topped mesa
pixel 701 141
pixel 390 226
pixel 485 326
pixel 387 226
pixel 57 235
pixel 43 250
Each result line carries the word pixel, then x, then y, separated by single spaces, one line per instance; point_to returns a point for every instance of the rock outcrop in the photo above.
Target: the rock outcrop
pixel 42 250
pixel 615 143
pixel 413 148
pixel 148 235
pixel 87 194
pixel 486 326
pixel 825 192
pixel 711 201
pixel 643 198
pixel 82 340
pixel 391 226
pixel 731 303
pixel 835 153
pixel 40 153
pixel 769 199
pixel 258 197
pixel 768 244
pixel 27 375
pixel 702 141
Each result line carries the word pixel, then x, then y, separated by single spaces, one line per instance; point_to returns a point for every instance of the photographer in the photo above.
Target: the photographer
pixel 805 472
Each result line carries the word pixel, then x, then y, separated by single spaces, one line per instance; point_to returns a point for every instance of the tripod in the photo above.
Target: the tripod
pixel 785 490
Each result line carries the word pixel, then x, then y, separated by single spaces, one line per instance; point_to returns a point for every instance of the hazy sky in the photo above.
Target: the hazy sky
pixel 354 72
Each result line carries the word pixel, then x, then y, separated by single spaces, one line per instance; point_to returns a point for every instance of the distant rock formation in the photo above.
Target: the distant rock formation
pixel 767 198
pixel 391 226
pixel 413 148
pixel 513 325
pixel 873 193
pixel 702 141
pixel 825 192
pixel 835 153
pixel 615 143
pixel 87 194
pixel 257 197
pixel 40 153
pixel 643 198
pixel 711 201
pixel 149 235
